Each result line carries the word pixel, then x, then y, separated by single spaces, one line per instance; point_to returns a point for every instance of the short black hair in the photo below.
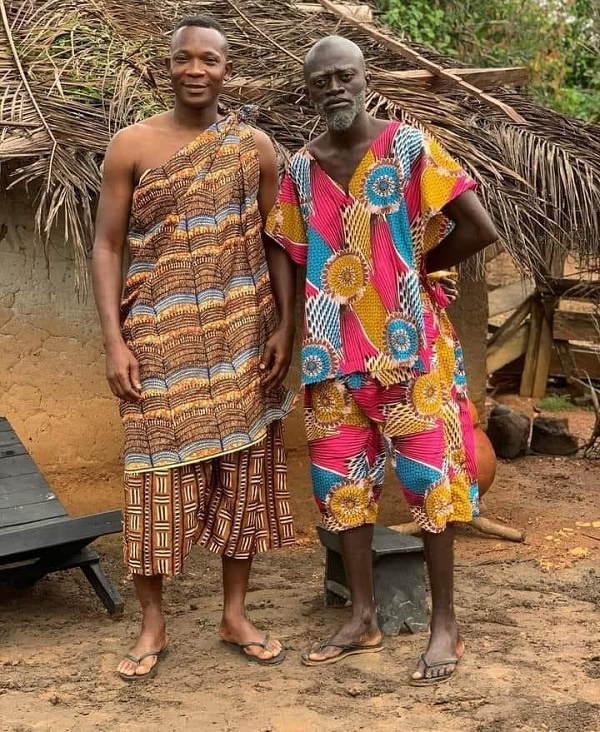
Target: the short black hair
pixel 200 21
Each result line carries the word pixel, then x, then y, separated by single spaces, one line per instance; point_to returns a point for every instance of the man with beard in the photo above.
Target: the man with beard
pixel 372 208
pixel 194 349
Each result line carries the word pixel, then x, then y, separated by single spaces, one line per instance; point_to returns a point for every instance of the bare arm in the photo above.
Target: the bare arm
pixel 473 231
pixel 112 219
pixel 282 271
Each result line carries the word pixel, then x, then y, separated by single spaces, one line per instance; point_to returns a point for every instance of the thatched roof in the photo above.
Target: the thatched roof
pixel 73 73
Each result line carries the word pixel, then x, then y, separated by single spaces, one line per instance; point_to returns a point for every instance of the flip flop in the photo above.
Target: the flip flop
pixel 347 649
pixel 274 661
pixel 149 674
pixel 434 680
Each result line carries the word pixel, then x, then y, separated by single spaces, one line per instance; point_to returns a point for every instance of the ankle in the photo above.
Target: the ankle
pixel 444 623
pixel 365 617
pixel 152 617
pixel 233 616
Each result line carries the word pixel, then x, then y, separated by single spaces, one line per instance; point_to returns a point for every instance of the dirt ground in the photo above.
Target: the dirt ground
pixel 530 614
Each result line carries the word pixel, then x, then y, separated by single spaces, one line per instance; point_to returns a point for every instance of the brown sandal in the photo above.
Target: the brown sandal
pixel 274 661
pixel 151 673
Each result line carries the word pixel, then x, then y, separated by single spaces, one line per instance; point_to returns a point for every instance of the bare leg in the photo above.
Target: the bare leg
pixel 153 633
pixel 361 628
pixel 235 625
pixel 445 643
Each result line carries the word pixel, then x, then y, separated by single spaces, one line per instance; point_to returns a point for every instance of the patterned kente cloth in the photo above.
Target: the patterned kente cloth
pixel 236 505
pixel 198 306
pixel 380 358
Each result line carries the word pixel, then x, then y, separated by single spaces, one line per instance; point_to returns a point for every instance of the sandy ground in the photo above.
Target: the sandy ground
pixel 530 614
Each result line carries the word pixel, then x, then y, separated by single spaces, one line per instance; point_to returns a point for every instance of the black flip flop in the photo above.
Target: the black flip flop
pixel 152 672
pixel 434 680
pixel 348 649
pixel 274 661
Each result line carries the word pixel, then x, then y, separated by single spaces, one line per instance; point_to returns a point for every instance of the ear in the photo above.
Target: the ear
pixel 228 70
pixel 167 61
pixel 368 78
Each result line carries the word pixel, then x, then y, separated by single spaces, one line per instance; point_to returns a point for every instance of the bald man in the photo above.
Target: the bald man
pixel 373 209
pixel 196 349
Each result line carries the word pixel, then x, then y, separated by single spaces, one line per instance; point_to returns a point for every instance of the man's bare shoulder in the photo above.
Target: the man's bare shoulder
pixel 261 139
pixel 140 131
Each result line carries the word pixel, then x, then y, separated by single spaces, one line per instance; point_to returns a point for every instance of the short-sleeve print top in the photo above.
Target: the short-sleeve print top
pixel 370 307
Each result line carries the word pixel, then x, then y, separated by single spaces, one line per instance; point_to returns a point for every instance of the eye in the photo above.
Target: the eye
pixel 180 59
pixel 347 77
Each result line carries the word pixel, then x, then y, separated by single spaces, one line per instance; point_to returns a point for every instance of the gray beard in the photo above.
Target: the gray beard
pixel 340 120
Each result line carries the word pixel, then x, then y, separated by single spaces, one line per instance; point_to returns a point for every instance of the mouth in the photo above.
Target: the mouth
pixel 195 88
pixel 337 104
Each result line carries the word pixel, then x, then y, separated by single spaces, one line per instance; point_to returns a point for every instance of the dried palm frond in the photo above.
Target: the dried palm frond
pixel 73 73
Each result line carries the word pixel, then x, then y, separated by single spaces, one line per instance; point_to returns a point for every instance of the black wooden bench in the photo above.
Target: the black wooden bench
pixel 37 536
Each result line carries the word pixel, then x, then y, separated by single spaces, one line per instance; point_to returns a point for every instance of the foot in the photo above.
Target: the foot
pixel 353 633
pixel 240 630
pixel 152 638
pixel 442 655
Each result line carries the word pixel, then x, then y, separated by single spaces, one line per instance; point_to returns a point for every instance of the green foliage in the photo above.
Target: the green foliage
pixel 559 40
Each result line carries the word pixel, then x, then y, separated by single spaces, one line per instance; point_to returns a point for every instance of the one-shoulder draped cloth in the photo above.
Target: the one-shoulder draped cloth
pixel 198 308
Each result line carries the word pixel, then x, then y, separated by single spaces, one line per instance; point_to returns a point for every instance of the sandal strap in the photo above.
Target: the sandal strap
pixel 262 644
pixel 148 654
pixel 133 659
pixel 437 664
pixel 345 646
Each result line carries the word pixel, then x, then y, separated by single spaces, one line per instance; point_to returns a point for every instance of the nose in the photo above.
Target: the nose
pixel 334 87
pixel 195 69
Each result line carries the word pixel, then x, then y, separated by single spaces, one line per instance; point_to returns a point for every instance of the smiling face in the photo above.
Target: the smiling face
pixel 198 65
pixel 336 81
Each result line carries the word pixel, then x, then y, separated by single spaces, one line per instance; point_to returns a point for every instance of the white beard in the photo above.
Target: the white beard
pixel 340 120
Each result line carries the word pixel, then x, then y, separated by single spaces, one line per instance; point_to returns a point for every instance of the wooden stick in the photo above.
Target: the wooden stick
pixel 425 63
pixel 493 528
pixel 485 526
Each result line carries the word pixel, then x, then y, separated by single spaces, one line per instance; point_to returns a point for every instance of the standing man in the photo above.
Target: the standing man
pixel 194 348
pixel 371 207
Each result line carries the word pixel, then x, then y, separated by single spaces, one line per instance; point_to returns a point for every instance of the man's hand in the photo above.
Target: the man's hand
pixel 277 356
pixel 123 373
pixel 447 280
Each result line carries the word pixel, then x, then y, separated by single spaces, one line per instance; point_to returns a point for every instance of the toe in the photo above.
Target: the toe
pixel 126 667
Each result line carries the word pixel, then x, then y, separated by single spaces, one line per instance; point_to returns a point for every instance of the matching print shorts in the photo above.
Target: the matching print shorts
pixel 354 423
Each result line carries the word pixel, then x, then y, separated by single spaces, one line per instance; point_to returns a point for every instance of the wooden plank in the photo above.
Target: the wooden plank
pixel 572 325
pixel 360 10
pixel 13 467
pixel 58 532
pixel 504 299
pixel 510 325
pixel 24 498
pixel 573 289
pixel 484 79
pixel 545 349
pixel 507 350
pixel 33 512
pixel 33 481
pixel 9 438
pixel 12 451
pixel 533 345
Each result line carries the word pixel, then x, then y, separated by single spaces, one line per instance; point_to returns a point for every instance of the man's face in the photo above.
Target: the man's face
pixel 337 85
pixel 198 65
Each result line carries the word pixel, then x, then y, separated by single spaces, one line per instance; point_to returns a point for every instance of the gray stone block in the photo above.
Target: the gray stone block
pixel 552 437
pixel 508 432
